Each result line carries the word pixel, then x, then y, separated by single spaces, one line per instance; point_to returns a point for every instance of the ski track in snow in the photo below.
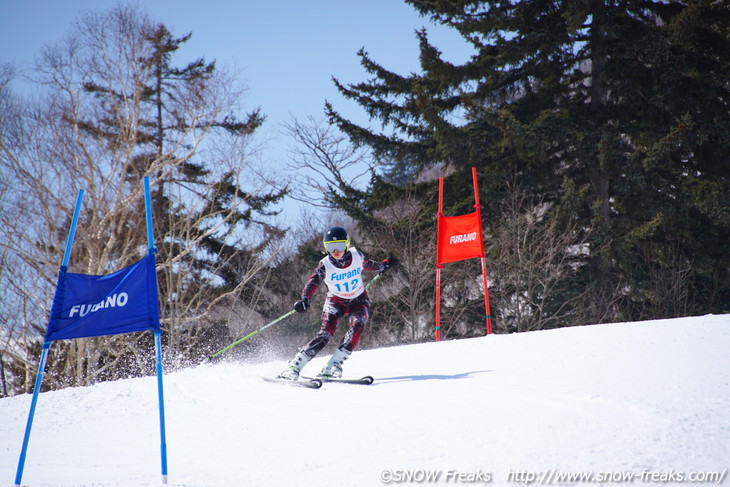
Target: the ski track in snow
pixel 623 397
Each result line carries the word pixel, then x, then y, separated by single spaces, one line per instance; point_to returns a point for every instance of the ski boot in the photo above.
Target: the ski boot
pixel 294 366
pixel 333 369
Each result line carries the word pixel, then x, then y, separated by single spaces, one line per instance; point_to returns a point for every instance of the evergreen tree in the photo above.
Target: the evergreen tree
pixel 114 108
pixel 616 112
pixel 169 100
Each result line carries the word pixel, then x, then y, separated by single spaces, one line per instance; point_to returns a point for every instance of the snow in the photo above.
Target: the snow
pixel 649 399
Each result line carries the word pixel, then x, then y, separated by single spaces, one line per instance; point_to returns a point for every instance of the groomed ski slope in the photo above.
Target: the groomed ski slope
pixel 649 399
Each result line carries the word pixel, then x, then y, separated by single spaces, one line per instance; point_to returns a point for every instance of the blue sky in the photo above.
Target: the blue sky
pixel 286 50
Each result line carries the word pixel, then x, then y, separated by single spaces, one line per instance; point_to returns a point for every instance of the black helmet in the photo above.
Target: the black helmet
pixel 336 238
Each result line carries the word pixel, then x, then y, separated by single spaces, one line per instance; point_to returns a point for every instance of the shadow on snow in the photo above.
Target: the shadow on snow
pixel 409 378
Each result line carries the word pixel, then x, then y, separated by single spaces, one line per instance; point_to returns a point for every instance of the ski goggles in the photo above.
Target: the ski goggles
pixel 336 245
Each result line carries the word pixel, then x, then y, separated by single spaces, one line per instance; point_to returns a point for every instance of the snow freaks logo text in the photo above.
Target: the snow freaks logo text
pixel 111 301
pixel 423 476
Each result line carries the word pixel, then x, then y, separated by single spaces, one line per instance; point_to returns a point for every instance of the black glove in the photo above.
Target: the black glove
pixel 390 262
pixel 302 305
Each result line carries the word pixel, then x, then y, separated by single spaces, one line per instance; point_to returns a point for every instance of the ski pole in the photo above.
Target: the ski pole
pixel 271 323
pixel 252 334
pixel 377 276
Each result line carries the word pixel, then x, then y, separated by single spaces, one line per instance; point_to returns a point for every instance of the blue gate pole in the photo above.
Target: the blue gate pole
pixel 158 333
pixel 46 346
pixel 29 424
pixel 163 440
pixel 72 231
pixel 148 215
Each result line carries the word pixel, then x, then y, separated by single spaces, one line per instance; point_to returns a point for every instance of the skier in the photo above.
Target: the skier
pixel 341 270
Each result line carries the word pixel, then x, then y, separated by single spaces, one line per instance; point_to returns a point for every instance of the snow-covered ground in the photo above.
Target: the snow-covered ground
pixel 649 400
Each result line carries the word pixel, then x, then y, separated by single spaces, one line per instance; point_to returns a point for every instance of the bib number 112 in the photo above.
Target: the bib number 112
pixel 347 287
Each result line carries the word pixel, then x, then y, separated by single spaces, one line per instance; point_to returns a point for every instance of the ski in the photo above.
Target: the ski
pixel 310 383
pixel 365 381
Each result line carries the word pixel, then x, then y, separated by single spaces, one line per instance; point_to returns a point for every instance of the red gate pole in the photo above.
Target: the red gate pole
pixel 438 264
pixel 481 242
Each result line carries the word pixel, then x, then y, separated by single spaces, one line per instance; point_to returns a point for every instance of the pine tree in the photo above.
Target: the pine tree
pixel 167 88
pixel 165 117
pixel 617 111
pixel 116 108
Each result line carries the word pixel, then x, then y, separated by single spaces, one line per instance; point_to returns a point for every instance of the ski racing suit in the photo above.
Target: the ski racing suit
pixel 346 296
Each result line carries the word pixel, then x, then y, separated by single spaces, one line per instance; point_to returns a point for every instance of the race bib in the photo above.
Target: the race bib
pixel 346 282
